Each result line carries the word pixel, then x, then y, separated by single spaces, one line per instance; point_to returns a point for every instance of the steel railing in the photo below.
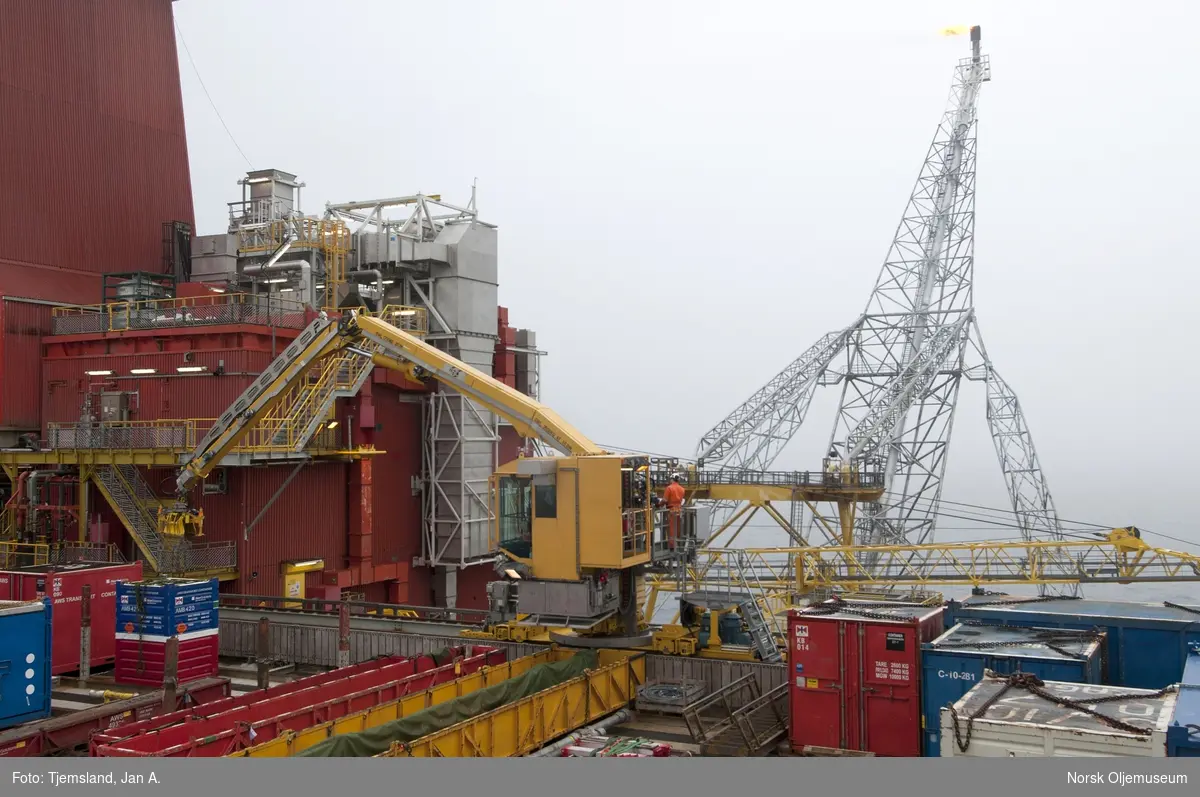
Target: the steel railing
pixel 8 523
pixel 23 554
pixel 413 320
pixel 72 552
pixel 234 308
pixel 259 230
pixel 185 556
pixel 635 534
pixel 123 435
pixel 796 479
pixel 181 436
pixel 357 608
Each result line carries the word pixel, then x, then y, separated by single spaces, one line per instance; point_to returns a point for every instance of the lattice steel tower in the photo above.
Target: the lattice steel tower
pixel 901 363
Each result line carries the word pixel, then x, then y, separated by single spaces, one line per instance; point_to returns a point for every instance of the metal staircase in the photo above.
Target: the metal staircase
pixel 298 417
pixel 724 578
pixel 762 631
pixel 136 506
pixel 129 495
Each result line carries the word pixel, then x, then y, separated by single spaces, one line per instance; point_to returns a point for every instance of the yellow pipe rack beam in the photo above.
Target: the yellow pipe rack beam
pixel 526 725
pixel 294 742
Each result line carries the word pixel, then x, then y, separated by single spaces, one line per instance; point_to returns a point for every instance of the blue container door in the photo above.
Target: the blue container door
pixel 1152 658
pixel 948 676
pixel 25 666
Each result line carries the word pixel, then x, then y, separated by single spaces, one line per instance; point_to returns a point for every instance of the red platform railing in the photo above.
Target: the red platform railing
pixel 65 733
pixel 260 716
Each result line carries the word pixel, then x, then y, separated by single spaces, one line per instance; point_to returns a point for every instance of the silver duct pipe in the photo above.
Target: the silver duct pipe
pixel 280 253
pixel 372 272
pixel 287 265
pixel 624 715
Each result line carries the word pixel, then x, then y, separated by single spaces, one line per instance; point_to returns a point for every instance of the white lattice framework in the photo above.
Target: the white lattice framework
pixel 901 363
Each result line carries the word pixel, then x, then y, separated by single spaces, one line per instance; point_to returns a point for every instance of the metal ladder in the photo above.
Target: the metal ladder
pixel 761 631
pixel 129 494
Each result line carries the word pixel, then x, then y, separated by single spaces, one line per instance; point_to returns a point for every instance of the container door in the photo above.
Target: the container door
pixel 1151 658
pixel 24 682
pixel 65 590
pixel 948 676
pixel 104 608
pixel 818 683
pixel 890 703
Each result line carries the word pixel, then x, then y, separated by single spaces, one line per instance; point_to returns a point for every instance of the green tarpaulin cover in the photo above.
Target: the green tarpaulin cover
pixel 377 740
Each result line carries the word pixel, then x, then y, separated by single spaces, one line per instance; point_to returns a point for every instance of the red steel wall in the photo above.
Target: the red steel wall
pixel 93 154
pixel 472 586
pixel 166 394
pixel 307 521
pixel 22 325
pixel 397 511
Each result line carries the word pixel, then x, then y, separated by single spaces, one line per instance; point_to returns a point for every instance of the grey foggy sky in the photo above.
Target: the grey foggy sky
pixel 689 194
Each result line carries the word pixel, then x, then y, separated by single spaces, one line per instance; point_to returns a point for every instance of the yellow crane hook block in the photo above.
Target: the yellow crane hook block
pixel 179 521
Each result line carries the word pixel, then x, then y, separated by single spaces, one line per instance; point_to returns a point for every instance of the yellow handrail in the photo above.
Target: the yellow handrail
pixel 330 236
pixel 24 554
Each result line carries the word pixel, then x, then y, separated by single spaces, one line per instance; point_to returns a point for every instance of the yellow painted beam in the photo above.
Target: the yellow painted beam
pixel 293 742
pixel 522 727
pixel 96 457
pixel 145 457
pixel 762 493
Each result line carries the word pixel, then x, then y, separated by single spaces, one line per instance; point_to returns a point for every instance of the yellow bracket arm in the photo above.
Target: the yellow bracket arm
pixel 529 417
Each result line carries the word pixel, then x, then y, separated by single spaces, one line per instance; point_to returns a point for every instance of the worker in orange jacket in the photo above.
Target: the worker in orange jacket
pixel 673 496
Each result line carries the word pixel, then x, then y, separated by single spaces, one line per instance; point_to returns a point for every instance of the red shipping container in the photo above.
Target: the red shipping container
pixel 856 680
pixel 143 661
pixel 63 584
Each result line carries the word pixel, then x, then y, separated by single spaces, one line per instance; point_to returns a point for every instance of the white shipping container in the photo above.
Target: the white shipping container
pixel 1022 724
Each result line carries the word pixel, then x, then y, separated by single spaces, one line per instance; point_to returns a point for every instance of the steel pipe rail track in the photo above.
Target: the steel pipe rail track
pixel 312 638
pixel 304 619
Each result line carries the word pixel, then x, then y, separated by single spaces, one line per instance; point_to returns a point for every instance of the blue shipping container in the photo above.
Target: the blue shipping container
pixel 25 645
pixel 1147 642
pixel 166 607
pixel 1183 737
pixel 955 661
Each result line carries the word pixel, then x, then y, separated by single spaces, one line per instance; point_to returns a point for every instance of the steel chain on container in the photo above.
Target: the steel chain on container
pixel 1051 638
pixel 840 606
pixel 1033 684
pixel 1181 607
pixel 1018 601
pixel 1052 643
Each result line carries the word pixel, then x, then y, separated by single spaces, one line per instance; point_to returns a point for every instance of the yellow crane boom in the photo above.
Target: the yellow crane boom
pixel 389 347
pixel 528 416
pixel 1120 557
